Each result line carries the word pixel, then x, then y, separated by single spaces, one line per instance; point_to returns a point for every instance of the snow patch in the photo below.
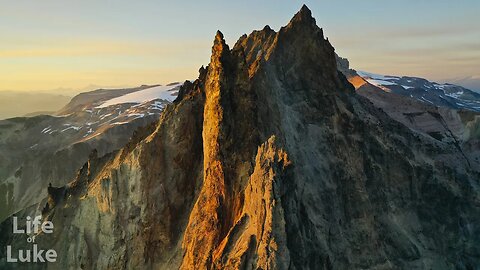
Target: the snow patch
pixel 157 92
pixel 455 95
pixel 377 76
pixel 120 123
pixel 424 99
pixel 136 115
pixel 47 129
pixel 105 115
pixel 70 127
pixel 380 82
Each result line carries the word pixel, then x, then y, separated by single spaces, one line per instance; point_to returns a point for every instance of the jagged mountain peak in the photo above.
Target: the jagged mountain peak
pixel 303 15
pixel 220 48
pixel 270 163
pixel 219 37
pixel 301 37
pixel 304 20
pixel 219 43
pixel 305 9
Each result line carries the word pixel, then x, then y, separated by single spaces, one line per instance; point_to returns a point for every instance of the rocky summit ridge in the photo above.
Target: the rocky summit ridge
pixel 270 160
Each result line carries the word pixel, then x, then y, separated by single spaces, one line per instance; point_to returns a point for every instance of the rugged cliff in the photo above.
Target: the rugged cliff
pixel 270 160
pixel 36 151
pixel 437 120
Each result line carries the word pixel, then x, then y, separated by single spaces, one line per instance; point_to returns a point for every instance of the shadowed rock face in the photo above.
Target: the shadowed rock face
pixel 35 151
pixel 270 160
pixel 458 127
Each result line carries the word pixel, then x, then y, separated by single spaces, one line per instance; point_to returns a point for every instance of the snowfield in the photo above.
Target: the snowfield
pixel 158 92
pixel 448 95
pixel 377 79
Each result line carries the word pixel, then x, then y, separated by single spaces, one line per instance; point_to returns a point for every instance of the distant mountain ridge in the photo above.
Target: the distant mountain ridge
pixel 436 94
pixel 16 103
pixel 470 82
pixel 445 95
pixel 271 159
pixel 38 150
pixel 403 99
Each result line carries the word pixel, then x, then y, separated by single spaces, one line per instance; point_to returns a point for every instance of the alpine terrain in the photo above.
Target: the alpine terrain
pixel 272 159
pixel 36 151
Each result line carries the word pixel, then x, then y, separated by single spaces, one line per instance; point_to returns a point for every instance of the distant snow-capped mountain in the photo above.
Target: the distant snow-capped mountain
pixel 35 151
pixel 470 82
pixel 102 113
pixel 443 95
pixel 444 112
pixel 164 93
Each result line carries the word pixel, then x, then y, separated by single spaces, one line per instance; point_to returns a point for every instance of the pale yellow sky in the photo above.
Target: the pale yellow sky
pixel 57 44
pixel 78 63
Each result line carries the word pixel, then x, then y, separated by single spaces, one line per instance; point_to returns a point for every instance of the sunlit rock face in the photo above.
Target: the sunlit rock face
pixel 270 160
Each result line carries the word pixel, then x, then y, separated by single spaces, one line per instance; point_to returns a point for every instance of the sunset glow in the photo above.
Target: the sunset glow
pixel 73 45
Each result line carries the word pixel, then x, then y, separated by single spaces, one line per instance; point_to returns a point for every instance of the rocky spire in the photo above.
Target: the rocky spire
pixel 219 203
pixel 304 14
pixel 219 37
pixel 219 44
pixel 303 19
pixel 329 182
